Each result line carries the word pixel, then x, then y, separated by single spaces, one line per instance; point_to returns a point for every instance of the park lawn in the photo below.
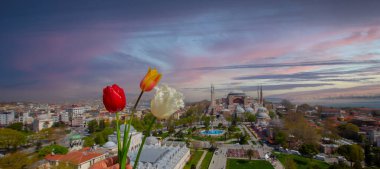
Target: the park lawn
pixel 194 158
pixel 206 161
pixel 302 162
pixel 248 164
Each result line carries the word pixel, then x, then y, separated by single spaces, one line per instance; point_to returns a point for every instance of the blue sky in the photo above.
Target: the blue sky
pixel 63 51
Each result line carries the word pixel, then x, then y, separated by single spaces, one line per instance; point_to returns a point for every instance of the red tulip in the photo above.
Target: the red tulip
pixel 114 98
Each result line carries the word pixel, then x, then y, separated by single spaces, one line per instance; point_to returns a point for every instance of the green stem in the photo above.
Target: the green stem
pixel 124 152
pixel 143 142
pixel 125 144
pixel 138 100
pixel 118 136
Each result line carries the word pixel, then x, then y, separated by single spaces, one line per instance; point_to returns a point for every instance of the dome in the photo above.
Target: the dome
pixel 75 137
pixel 239 109
pixel 262 110
pixel 249 109
pixel 236 93
pixel 151 140
pixel 262 115
pixel 122 128
pixel 109 144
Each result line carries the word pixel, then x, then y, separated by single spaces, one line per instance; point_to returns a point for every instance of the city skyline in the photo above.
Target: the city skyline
pixel 299 50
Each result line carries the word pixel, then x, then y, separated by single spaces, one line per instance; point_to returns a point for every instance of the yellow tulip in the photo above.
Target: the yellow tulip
pixel 150 80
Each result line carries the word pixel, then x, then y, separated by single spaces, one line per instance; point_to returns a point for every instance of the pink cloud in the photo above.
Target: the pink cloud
pixel 356 37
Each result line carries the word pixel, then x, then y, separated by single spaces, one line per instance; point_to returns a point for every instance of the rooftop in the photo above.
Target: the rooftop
pixel 75 157
pixel 152 155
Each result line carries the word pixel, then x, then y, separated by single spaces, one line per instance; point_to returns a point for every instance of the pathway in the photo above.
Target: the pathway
pixel 277 164
pixel 200 160
pixel 245 130
pixel 219 159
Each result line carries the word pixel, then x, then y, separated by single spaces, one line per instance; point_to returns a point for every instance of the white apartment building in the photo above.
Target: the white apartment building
pixel 6 118
pixel 76 115
pixel 23 118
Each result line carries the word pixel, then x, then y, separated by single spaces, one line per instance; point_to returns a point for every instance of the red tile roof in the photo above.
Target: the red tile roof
pixel 75 157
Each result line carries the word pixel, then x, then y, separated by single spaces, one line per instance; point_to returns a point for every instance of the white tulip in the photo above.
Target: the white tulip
pixel 166 101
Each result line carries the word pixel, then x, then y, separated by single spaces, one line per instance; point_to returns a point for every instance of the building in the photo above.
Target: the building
pixel 43 123
pixel 328 148
pixel 168 156
pixel 76 142
pixel 374 136
pixel 76 115
pixel 262 117
pixel 6 118
pixel 331 112
pixel 238 98
pixel 23 117
pixel 81 159
pixel 135 136
pixel 55 118
pixel 64 117
pixel 173 155
pixel 262 113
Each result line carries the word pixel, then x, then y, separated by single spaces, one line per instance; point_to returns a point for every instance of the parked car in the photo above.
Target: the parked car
pixel 341 159
pixel 295 152
pixel 320 157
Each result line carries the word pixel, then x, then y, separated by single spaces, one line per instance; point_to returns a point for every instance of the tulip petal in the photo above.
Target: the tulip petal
pixel 166 101
pixel 114 98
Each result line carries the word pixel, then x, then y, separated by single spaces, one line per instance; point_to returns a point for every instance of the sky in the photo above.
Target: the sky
pixel 55 51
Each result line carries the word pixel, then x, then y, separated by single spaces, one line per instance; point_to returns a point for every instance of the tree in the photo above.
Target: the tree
pixel 102 125
pixel 330 130
pixel 349 131
pixel 99 139
pixel 106 132
pixel 357 165
pixel 243 139
pixel 49 149
pixel 251 118
pixel 341 165
pixel 220 125
pixel 290 164
pixel 272 114
pixel 59 124
pixel 287 104
pixel 92 126
pixel 11 138
pixel 376 154
pixel 16 160
pixel 16 126
pixel 304 107
pixel 299 127
pixel 206 121
pixel 368 157
pixel 308 150
pixel 280 138
pixel 38 145
pixel 88 141
pixel 250 153
pixel 352 153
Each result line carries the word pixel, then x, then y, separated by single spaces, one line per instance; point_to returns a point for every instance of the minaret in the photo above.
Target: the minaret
pixel 212 103
pixel 258 95
pixel 261 96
